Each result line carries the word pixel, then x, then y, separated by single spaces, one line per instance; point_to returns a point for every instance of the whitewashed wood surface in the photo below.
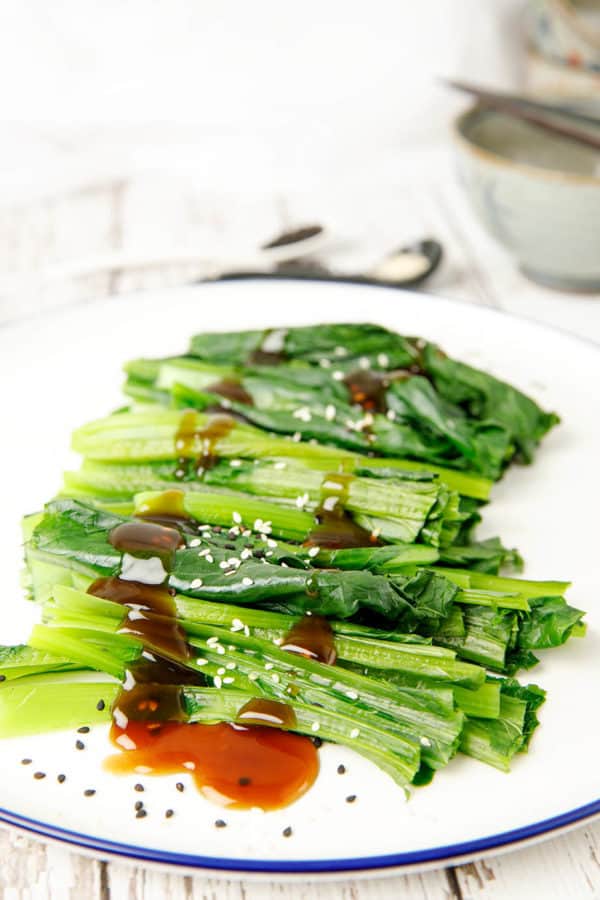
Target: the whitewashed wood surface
pixel 65 243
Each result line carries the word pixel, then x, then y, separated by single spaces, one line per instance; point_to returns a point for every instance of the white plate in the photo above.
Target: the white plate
pixel 62 369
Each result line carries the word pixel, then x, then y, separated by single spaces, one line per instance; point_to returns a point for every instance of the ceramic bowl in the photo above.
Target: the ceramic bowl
pixel 539 195
pixel 567 31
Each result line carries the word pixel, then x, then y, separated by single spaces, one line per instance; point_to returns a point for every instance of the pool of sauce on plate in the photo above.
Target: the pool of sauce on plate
pixel 312 637
pixel 253 762
pixel 335 528
pixel 237 766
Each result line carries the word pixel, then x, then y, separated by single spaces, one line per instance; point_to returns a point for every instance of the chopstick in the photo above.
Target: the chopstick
pixel 534 112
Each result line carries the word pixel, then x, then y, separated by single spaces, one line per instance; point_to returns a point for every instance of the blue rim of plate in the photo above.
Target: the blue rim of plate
pixel 445 853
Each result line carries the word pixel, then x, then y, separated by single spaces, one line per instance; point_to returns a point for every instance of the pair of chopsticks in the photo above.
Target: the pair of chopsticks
pixel 559 120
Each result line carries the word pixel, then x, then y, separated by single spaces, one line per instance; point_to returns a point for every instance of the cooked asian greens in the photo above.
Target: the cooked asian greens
pixel 267 485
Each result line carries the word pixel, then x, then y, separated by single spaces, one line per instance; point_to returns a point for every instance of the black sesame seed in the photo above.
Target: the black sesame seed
pixel 318 742
pixel 2 677
pixel 83 730
pixel 341 769
pixel 244 781
pixel 259 554
pixel 80 745
pixel 61 778
pixel 138 805
pixel 287 832
pixel 220 823
pixel 169 813
pixel 26 762
pixel 141 814
pixel 39 775
pixel 100 705
pixel 351 798
pixel 89 792
pixel 138 787
pixel 180 787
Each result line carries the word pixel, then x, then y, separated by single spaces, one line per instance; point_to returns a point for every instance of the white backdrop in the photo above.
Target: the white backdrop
pixel 278 89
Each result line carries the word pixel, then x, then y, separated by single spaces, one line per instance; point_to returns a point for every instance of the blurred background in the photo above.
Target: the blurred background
pixel 136 130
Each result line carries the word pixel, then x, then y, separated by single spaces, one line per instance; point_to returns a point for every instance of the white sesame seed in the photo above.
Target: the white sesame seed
pixel 195 542
pixel 351 695
pixel 210 558
pixel 217 681
pixel 270 553
pixel 271 543
pixel 314 551
pixel 303 413
pixel 205 552
pixel 340 351
pixel 330 412
pixel 211 641
pixel 234 561
pixel 275 678
pixel 247 581
pixel 237 518
pixel 338 376
pixel 252 676
pixel 228 680
pixel 201 661
pixel 296 437
pixel 383 360
pixel 268 666
pixel 315 726
pixel 246 553
pixel 235 463
pixel 325 363
pixel 220 650
pixel 204 528
pixel 425 742
pixel 223 564
pixel 196 583
pixel 364 362
pixel 355 733
pixel 221 670
pixel 280 465
pixel 278 641
pixel 230 665
pixel 302 500
pixel 237 625
pixel 246 631
pixel 391 415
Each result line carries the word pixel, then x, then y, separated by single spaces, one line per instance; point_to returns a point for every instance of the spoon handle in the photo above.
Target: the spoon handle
pixel 302 274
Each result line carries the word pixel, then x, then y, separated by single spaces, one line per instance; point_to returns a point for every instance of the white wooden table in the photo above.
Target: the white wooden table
pixel 63 240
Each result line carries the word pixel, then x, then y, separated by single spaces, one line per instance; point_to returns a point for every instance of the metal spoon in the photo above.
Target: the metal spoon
pixel 405 267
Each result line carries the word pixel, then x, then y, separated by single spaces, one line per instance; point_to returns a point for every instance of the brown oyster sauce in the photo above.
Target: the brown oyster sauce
pixel 335 528
pixel 311 636
pixel 252 763
pixel 195 446
pixel 236 766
